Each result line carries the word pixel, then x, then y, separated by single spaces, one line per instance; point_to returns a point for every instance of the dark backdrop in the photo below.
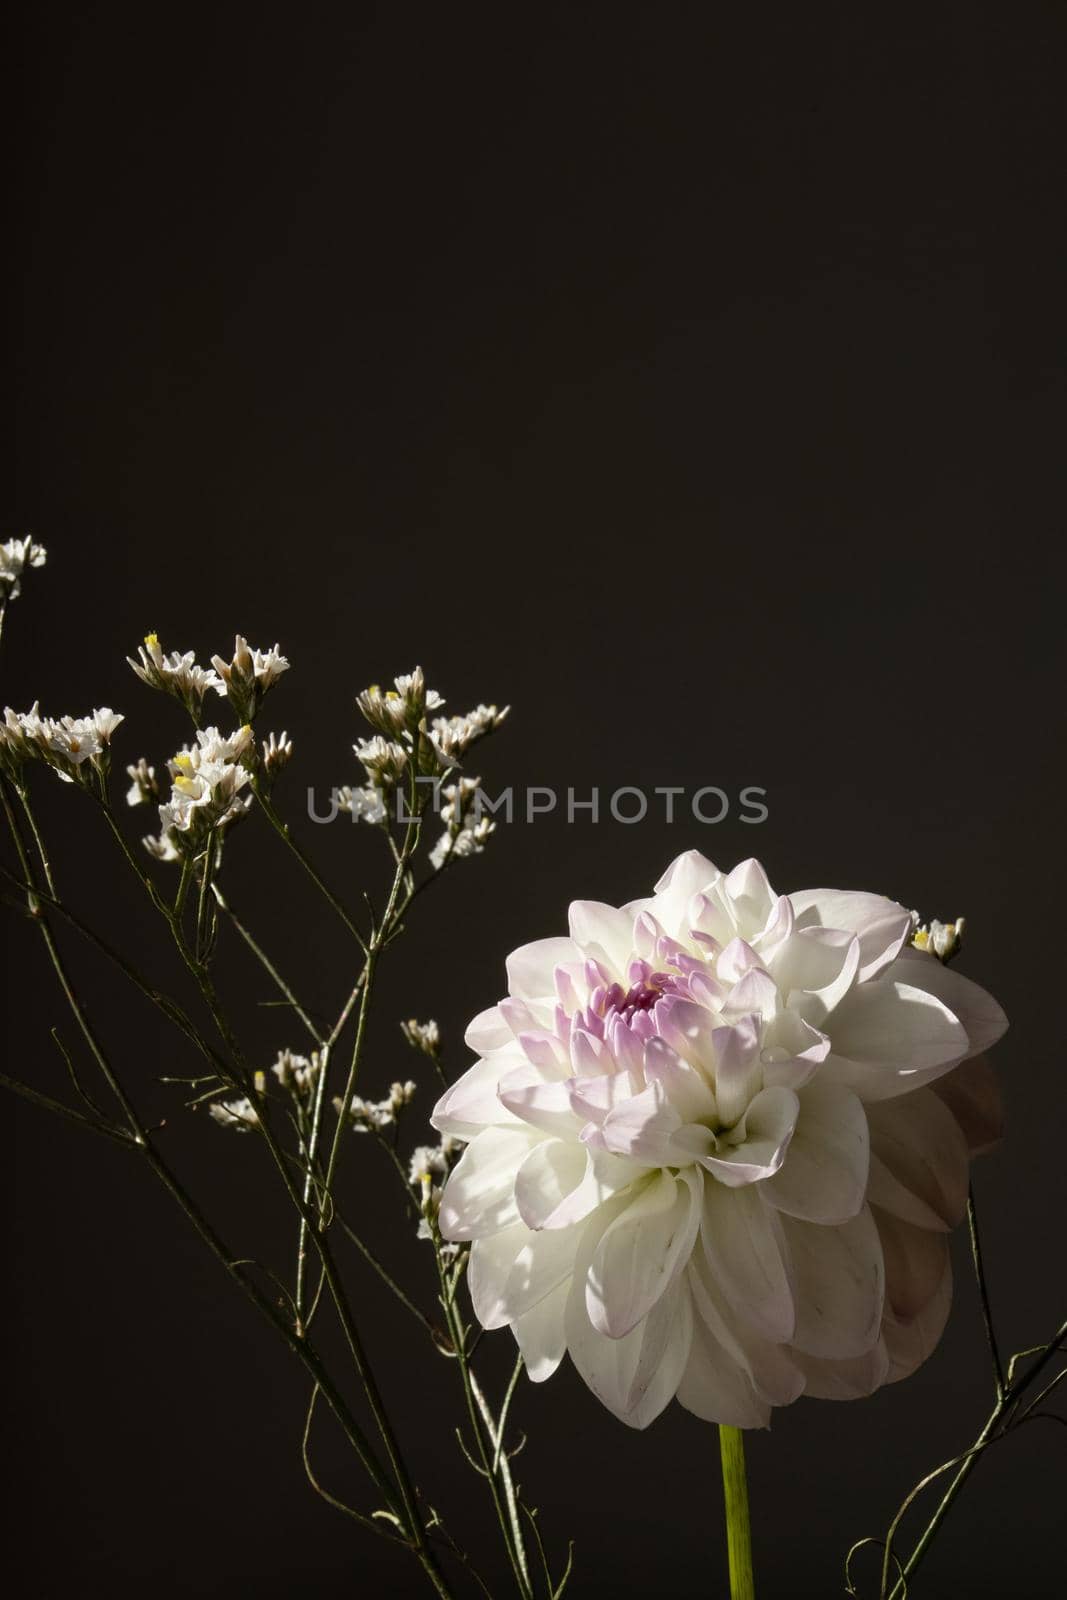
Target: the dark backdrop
pixel 689 377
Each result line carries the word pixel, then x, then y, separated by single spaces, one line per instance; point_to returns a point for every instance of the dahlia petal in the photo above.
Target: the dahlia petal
pixel 755 992
pixel 840 1285
pixel 640 1252
pixel 548 1176
pixel 667 1335
pixel 972 1093
pixel 779 928
pixel 491 1261
pixel 603 932
pixel 914 1263
pixel 705 915
pixel 738 1068
pixel 881 925
pixel 540 1335
pixel 890 1037
pixel 543 1105
pixel 770 1366
pixel 686 1089
pixel 479 1197
pixel 607 1366
pixel 751 898
pixel 745 1251
pixel 531 968
pixel 792 1051
pixel 544 1051
pixel 641 1127
pixel 850 1378
pixel 690 869
pixel 919 1168
pixel 815 968
pixel 544 1262
pixel 763 1137
pixel 825 1178
pixel 910 1340
pixel 737 960
pixel 688 1028
pixel 488 1031
pixel 714 1386
pixel 980 1015
pixel 472 1103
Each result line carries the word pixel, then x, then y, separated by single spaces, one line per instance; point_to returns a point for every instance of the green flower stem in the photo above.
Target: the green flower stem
pixel 266 963
pixel 282 830
pixel 738 1532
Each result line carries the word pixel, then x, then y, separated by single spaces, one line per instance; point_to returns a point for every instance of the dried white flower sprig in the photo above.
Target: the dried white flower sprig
pixel 15 556
pixel 246 678
pixel 175 674
pixel 76 748
pixel 371 1116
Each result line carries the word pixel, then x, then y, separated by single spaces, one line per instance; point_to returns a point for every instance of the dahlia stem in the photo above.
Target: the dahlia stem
pixel 738 1532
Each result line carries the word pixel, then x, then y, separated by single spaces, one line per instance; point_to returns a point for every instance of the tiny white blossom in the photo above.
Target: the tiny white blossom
pixel 368 1116
pixel 246 678
pixel 240 1115
pixel 15 556
pixel 207 778
pixel 431 1160
pixel 162 848
pixel 465 833
pixel 424 1036
pixel 276 752
pixel 455 735
pixel 298 1074
pixel 362 805
pixel 400 710
pixel 143 786
pixel 176 673
pixel 940 939
pixel 71 741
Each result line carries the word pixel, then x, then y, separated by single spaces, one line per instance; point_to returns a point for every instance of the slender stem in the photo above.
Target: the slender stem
pixel 968 1462
pixel 282 830
pixel 383 1272
pixel 486 1437
pixel 266 963
pixel 738 1531
pixel 983 1293
pixel 140 1138
pixel 46 1102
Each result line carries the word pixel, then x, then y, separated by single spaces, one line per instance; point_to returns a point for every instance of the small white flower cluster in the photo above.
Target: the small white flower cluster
pixel 424 1036
pixel 371 1116
pixel 428 1169
pixel 465 833
pixel 243 681
pixel 941 939
pixel 72 746
pixel 143 790
pixel 394 712
pixel 363 805
pixel 276 753
pixel 248 676
pixel 429 1161
pixel 240 1115
pixel 206 780
pixel 297 1074
pixel 176 674
pixel 455 735
pixel 15 556
pixel 402 734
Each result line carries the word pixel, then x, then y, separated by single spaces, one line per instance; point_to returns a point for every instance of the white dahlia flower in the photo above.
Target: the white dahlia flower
pixel 711 1148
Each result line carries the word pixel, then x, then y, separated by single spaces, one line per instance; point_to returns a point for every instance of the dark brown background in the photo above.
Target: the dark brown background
pixel 690 377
